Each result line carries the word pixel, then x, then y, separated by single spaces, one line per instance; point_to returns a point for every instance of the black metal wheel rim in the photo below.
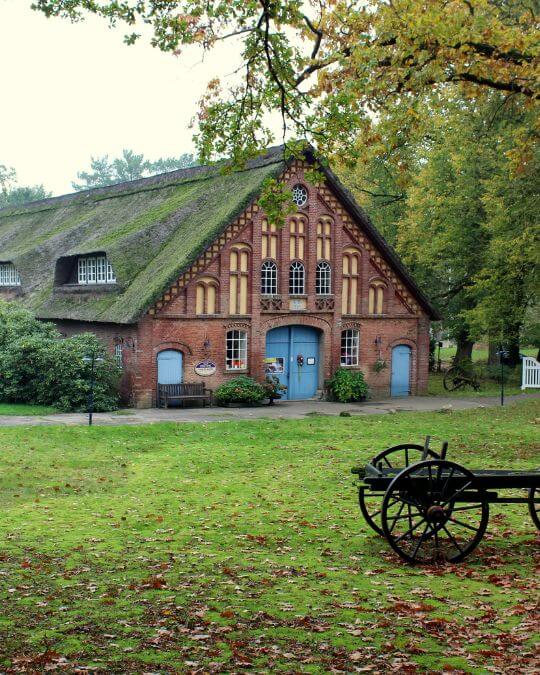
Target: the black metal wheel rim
pixel 398 456
pixel 534 506
pixel 433 512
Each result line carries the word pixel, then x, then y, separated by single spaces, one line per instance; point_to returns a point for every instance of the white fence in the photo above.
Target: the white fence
pixel 530 373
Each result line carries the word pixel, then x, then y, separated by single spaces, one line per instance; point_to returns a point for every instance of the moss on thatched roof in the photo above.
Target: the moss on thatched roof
pixel 151 230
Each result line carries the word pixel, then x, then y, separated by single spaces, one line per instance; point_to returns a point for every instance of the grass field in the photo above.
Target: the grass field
pixel 487 388
pixel 25 409
pixel 229 547
pixel 448 353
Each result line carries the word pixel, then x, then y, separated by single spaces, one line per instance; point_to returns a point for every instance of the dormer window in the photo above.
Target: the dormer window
pixel 95 270
pixel 9 275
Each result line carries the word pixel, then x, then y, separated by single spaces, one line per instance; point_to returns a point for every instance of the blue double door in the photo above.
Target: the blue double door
pixel 292 354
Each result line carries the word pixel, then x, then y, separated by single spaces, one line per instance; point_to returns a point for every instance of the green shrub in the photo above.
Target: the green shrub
pixel 241 390
pixel 37 366
pixel 348 385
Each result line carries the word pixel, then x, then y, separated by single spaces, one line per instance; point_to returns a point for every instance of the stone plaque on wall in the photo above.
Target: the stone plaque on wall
pixel 298 304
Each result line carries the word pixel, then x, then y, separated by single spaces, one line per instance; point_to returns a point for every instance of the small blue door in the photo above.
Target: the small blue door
pixel 292 354
pixel 169 367
pixel 401 371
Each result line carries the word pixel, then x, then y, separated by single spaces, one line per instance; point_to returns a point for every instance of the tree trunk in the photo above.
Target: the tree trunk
pixel 464 349
pixel 493 356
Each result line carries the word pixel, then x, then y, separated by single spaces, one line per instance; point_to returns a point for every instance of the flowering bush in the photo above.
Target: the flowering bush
pixel 241 390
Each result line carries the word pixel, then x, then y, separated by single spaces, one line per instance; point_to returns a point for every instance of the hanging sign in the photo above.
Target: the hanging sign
pixel 205 368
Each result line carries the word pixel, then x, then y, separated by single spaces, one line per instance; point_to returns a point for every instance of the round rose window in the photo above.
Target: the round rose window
pixel 299 195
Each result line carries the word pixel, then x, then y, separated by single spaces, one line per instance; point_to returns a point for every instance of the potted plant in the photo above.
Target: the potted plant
pixel 273 388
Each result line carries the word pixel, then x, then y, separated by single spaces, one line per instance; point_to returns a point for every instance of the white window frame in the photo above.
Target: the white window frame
pixel 323 278
pixel 350 347
pixel 236 350
pixel 95 270
pixel 269 278
pixel 300 195
pixel 9 275
pixel 297 278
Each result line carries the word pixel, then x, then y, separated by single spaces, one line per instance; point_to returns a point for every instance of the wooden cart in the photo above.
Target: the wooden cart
pixel 431 509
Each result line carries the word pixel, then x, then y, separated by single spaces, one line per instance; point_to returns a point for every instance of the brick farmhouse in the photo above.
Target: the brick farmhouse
pixel 185 279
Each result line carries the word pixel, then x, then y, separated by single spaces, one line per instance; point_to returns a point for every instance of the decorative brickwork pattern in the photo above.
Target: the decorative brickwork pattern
pixel 206 258
pixel 375 257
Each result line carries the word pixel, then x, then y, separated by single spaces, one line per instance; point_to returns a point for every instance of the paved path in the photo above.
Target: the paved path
pixel 281 410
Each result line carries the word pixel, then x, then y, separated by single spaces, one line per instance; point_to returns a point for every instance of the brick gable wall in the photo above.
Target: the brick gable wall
pixel 173 323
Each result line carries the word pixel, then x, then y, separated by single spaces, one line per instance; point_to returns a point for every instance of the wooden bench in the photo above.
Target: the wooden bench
pixel 186 391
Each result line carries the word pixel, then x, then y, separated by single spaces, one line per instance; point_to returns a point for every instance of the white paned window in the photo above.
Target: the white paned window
pixel 297 276
pixel 95 270
pixel 82 270
pixel 101 275
pixel 119 355
pixel 323 278
pixel 269 278
pixel 91 268
pixel 350 341
pixel 236 350
pixel 111 276
pixel 9 275
pixel 299 195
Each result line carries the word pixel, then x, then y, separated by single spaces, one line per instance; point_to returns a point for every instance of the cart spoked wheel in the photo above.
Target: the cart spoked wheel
pixel 534 505
pixel 432 511
pixel 398 456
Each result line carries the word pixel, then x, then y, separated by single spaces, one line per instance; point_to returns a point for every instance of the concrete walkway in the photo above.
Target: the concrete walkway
pixel 281 410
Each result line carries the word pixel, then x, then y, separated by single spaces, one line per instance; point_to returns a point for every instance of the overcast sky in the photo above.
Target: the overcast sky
pixel 69 91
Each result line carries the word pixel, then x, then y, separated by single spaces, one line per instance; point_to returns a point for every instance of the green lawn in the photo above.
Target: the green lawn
pixel 25 409
pixel 226 547
pixel 447 353
pixel 488 388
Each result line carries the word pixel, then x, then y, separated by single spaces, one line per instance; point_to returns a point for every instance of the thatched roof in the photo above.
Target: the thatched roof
pixel 151 230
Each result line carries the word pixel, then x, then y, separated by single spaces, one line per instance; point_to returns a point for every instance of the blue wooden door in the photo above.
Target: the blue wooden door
pixel 169 367
pixel 401 371
pixel 294 351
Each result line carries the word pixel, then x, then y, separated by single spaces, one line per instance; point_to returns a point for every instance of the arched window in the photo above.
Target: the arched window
pixel 239 280
pixel 297 277
pixel 269 242
pixel 323 278
pixel 324 238
pixel 236 350
pixel 376 297
pixel 351 281
pixel 350 343
pixel 297 241
pixel 206 296
pixel 269 284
